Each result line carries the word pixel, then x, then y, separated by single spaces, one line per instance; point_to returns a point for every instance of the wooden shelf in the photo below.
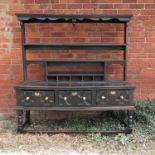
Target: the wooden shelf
pixel 62 46
pixel 75 73
pixel 58 62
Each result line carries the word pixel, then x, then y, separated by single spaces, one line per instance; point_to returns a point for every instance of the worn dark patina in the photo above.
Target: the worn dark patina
pixel 74 90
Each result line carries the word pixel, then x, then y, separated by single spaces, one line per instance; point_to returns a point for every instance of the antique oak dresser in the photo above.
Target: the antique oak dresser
pixel 74 90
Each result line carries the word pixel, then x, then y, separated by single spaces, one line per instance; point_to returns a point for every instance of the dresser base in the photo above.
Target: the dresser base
pixel 74 97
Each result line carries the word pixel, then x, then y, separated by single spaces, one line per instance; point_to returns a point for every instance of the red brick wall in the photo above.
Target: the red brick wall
pixel 141 49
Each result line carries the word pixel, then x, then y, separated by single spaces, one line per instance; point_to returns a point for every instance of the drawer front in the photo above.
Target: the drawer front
pixel 35 98
pixel 75 98
pixel 114 97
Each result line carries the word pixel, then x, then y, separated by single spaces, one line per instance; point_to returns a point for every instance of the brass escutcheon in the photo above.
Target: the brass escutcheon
pixel 37 94
pixel 74 93
pixel 112 92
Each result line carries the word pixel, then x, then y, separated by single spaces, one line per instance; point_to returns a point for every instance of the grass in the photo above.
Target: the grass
pixel 82 123
pixel 145 118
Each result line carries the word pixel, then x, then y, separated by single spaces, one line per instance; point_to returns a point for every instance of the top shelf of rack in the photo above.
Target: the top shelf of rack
pixel 50 18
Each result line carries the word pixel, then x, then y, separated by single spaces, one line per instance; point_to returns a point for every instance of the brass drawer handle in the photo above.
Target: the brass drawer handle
pixel 84 98
pixel 37 94
pixel 65 98
pixel 122 97
pixel 46 98
pixel 103 97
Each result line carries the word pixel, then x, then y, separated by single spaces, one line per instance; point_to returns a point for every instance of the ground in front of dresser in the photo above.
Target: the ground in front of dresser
pixel 62 144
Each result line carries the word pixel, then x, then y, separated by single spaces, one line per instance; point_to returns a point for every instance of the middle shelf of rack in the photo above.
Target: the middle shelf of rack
pixel 73 46
pixel 69 62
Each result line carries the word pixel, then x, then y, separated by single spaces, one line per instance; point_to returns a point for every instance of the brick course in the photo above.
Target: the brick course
pixel 141 56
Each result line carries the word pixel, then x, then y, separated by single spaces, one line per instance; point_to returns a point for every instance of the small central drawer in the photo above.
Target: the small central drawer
pixel 75 98
pixel 35 98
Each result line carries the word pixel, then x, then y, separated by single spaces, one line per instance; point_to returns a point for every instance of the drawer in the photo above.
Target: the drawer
pixel 35 98
pixel 114 97
pixel 75 98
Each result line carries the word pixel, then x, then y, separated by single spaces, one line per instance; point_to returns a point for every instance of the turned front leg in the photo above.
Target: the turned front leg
pixel 20 120
pixel 130 121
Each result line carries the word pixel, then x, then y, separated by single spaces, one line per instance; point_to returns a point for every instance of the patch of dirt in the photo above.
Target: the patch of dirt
pixel 63 144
